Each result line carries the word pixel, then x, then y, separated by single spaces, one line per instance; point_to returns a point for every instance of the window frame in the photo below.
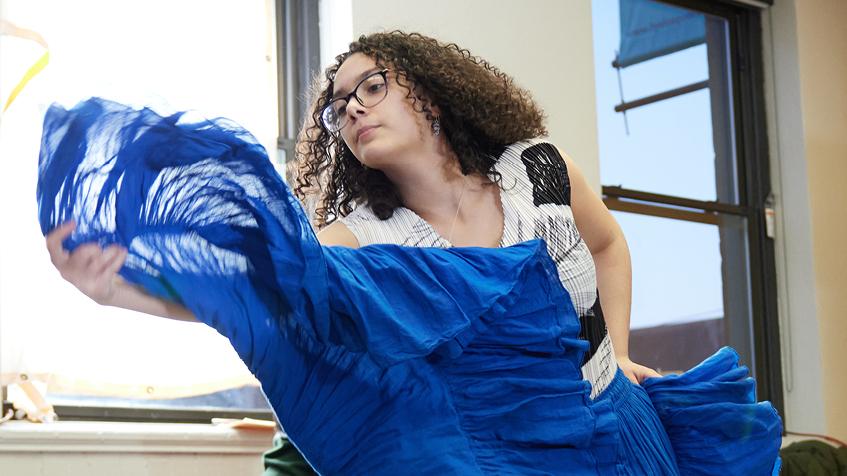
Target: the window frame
pixel 298 61
pixel 298 58
pixel 746 74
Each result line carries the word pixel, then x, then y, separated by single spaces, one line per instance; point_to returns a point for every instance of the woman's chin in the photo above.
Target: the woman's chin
pixel 373 154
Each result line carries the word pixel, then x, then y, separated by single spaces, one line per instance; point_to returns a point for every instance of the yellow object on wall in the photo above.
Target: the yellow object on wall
pixel 10 29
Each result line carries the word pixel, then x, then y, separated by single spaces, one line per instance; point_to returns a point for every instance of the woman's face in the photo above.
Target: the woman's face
pixel 380 134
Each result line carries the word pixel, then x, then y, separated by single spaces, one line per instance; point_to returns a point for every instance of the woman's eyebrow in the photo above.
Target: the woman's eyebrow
pixel 358 79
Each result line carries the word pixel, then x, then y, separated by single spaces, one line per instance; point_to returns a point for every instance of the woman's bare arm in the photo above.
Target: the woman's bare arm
pixel 94 271
pixel 608 247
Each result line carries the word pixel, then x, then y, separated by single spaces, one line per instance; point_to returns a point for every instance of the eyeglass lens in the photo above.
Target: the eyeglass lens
pixel 369 92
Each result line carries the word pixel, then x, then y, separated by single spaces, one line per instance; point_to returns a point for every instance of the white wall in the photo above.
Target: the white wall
pixel 546 45
pixel 808 85
pixel 801 353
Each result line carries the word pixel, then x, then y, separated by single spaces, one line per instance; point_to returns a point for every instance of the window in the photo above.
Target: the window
pixel 298 61
pixel 684 169
pixel 106 363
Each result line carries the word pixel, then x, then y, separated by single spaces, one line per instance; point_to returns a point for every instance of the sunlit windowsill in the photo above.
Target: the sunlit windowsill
pixel 130 437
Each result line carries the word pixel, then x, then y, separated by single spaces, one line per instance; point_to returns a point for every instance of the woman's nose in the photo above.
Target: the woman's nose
pixel 354 109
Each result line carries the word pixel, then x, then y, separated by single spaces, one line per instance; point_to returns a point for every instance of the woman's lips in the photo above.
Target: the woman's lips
pixel 365 132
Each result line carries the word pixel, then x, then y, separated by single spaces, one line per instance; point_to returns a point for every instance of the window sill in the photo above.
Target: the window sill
pixel 129 437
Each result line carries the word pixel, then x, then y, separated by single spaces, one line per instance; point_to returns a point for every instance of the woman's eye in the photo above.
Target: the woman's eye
pixel 375 88
pixel 340 109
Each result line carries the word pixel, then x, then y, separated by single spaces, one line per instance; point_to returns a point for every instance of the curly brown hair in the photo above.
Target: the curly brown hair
pixel 482 111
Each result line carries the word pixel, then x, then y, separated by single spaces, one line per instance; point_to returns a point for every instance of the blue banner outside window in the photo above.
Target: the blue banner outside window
pixel 651 29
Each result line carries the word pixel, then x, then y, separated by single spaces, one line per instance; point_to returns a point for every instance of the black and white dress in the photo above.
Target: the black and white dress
pixel 536 202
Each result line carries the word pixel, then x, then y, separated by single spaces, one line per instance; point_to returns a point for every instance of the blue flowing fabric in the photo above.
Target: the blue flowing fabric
pixel 382 359
pixel 711 416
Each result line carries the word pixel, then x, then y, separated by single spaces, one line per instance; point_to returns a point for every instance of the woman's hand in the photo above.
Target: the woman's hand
pixel 92 269
pixel 637 373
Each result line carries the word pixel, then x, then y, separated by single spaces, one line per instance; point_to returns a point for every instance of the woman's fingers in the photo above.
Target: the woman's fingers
pixel 107 255
pixel 631 376
pixel 652 373
pixel 642 373
pixel 92 269
pixel 116 258
pixel 58 254
pixel 84 255
pixel 636 373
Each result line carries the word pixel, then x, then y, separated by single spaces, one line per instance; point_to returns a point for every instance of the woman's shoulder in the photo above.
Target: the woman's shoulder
pixel 532 152
pixel 529 148
pixel 539 150
pixel 337 233
pixel 537 165
pixel 403 227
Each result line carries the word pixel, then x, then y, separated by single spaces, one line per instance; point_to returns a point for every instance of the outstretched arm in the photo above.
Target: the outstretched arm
pixel 94 271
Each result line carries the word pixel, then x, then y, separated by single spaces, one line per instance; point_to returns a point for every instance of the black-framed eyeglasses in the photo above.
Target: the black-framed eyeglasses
pixel 369 92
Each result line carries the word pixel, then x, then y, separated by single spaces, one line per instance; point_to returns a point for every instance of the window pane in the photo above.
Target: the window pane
pixel 668 151
pixel 84 353
pixel 690 290
pixel 665 252
pixel 681 146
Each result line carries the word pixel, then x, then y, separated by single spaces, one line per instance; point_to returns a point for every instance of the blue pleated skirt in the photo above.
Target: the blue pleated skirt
pixel 703 422
pixel 643 447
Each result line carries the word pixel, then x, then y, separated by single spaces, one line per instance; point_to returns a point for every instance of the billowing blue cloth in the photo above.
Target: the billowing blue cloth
pixel 713 420
pixel 383 359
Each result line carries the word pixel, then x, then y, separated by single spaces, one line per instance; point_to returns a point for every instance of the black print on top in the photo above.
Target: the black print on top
pixel 548 174
pixel 593 328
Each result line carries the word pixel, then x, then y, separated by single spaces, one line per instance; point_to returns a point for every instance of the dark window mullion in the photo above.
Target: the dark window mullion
pixel 610 191
pixel 661 211
pixel 298 61
pixel 756 182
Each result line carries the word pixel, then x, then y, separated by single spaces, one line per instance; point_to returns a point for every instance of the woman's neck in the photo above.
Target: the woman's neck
pixel 430 184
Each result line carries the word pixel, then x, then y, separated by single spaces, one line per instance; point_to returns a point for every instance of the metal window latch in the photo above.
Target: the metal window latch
pixel 770 217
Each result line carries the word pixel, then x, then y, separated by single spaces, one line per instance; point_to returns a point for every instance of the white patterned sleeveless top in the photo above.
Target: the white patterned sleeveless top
pixel 535 198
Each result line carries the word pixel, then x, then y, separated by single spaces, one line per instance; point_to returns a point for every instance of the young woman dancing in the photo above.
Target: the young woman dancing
pixel 464 309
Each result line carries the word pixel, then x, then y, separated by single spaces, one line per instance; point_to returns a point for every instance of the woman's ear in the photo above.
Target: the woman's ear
pixel 431 108
pixel 426 102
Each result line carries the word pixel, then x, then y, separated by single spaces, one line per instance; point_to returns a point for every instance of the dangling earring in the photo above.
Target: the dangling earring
pixel 436 126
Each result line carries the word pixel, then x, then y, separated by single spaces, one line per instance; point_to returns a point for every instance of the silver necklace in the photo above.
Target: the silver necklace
pixel 458 207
